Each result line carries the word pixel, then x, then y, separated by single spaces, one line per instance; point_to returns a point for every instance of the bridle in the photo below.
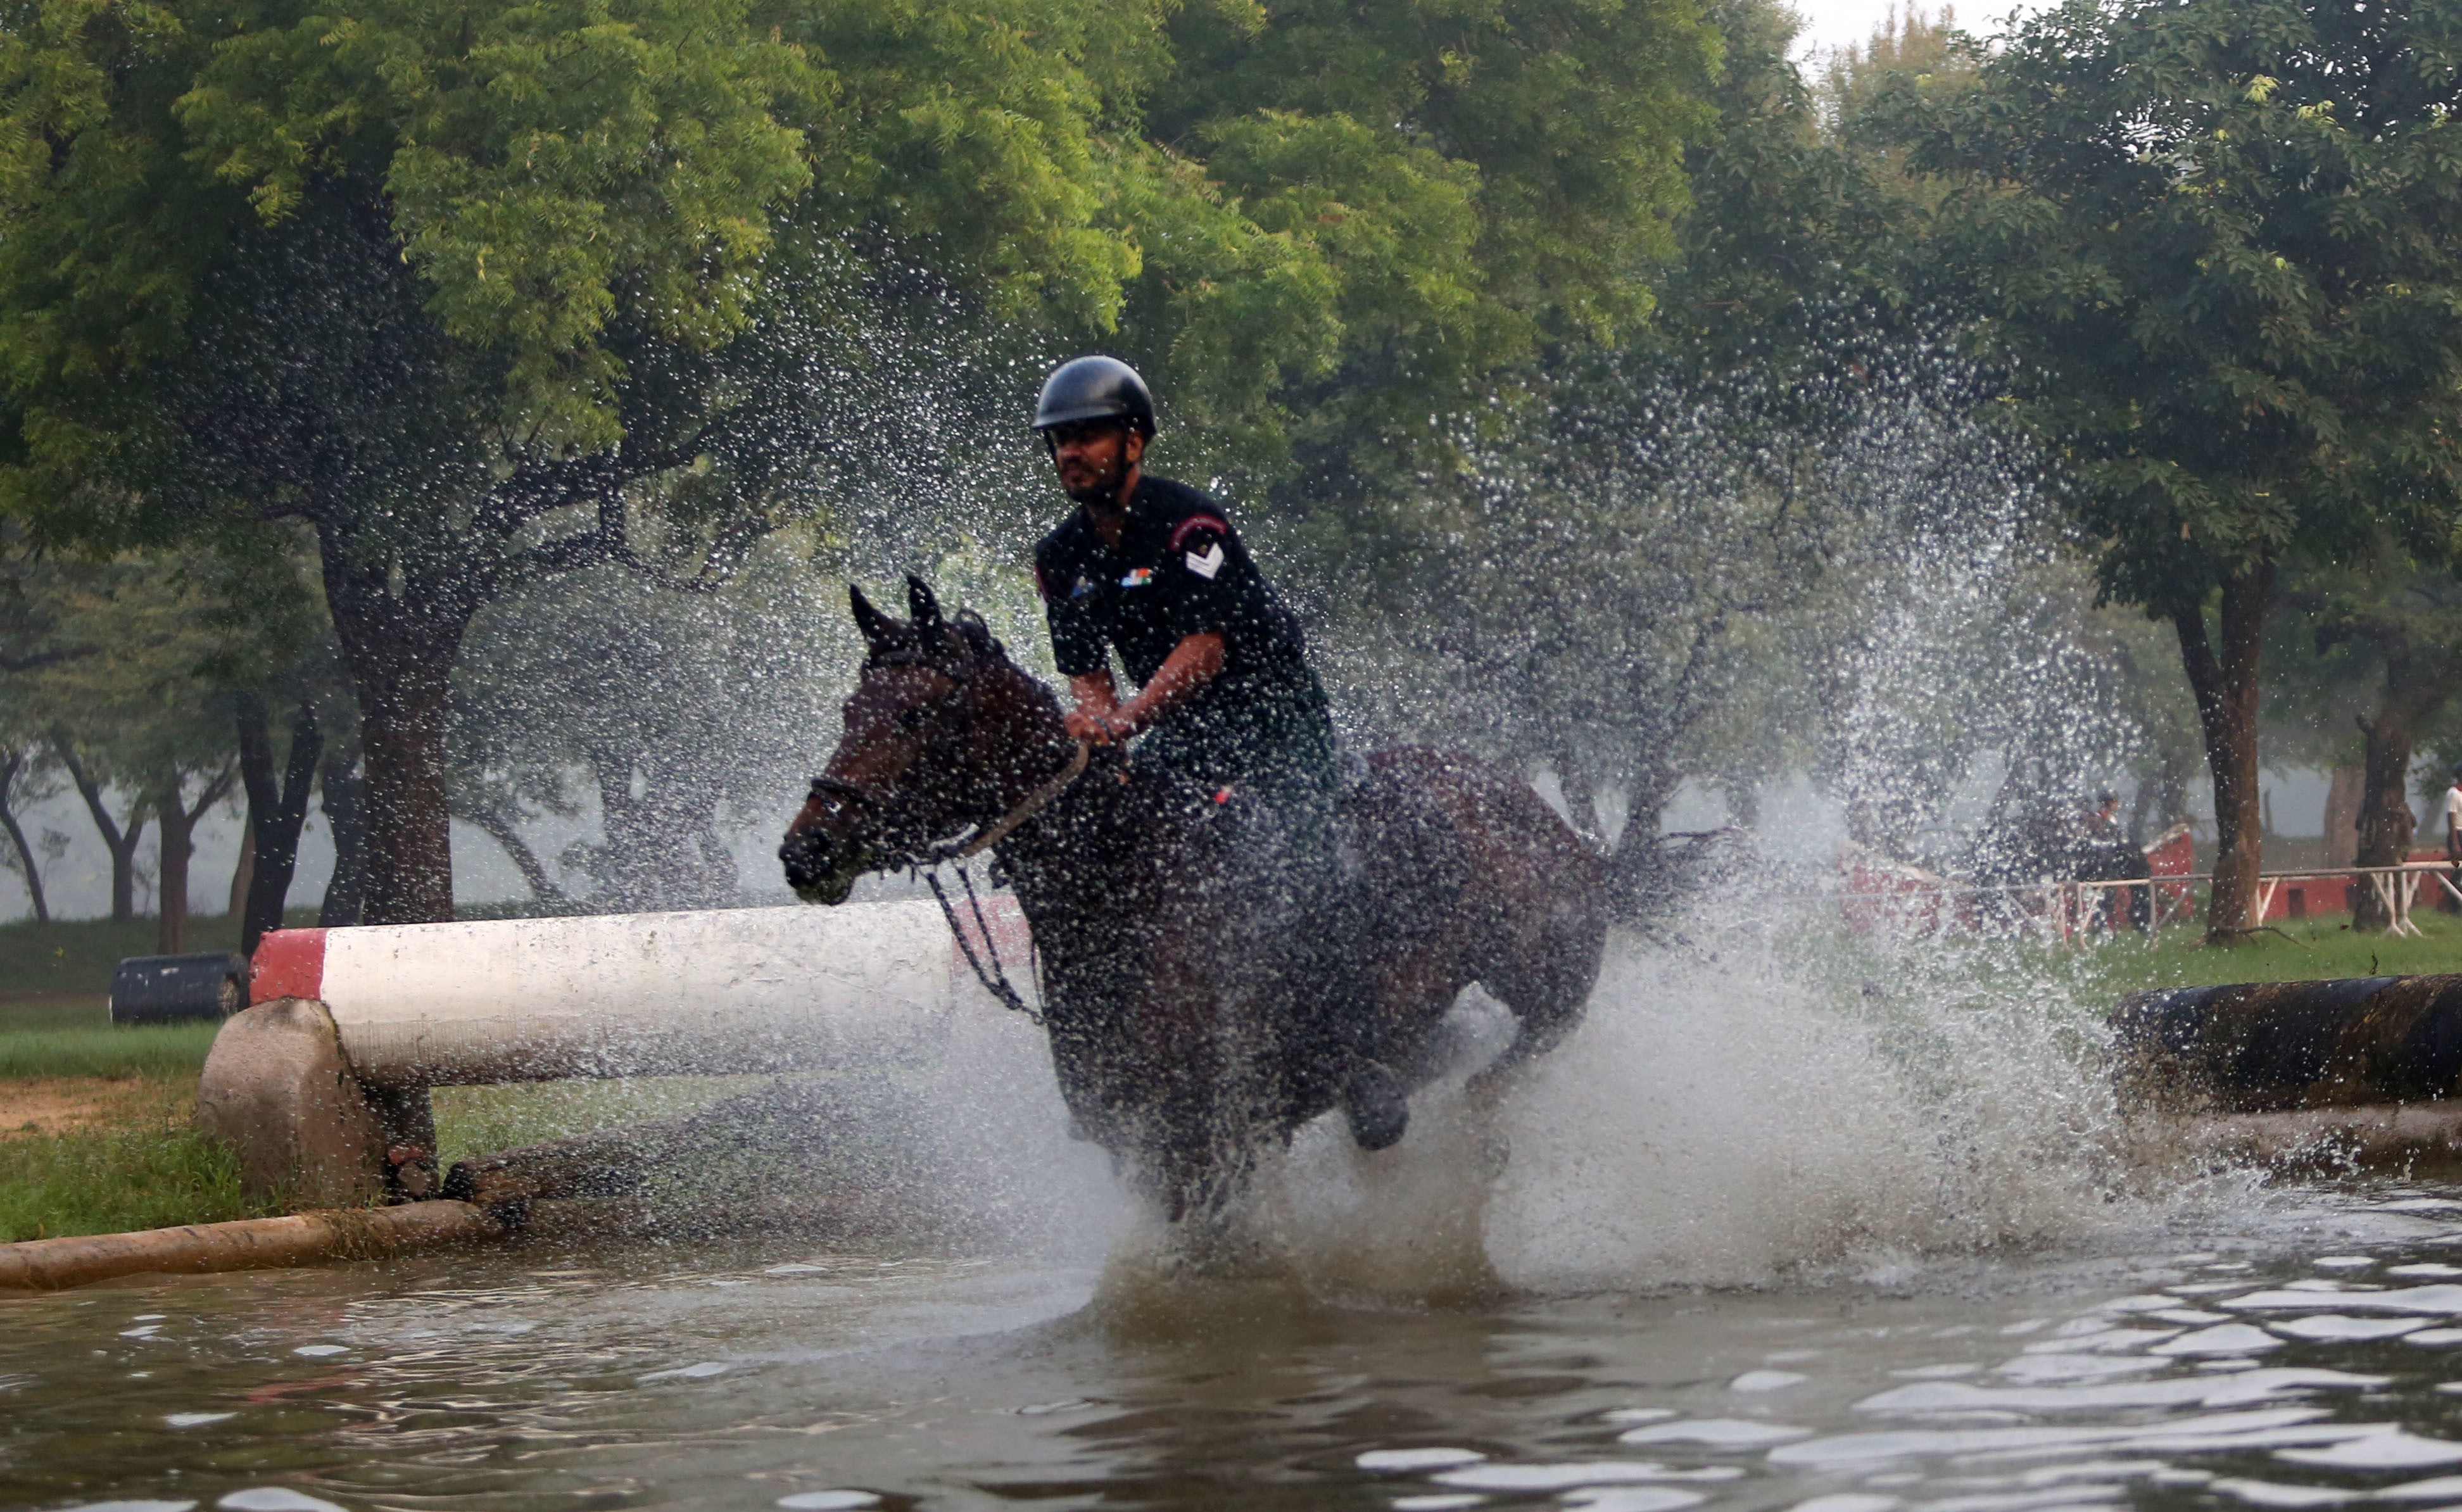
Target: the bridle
pixel 896 818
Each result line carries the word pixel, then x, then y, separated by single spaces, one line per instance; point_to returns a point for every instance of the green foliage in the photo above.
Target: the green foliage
pixel 534 157
pixel 2229 234
pixel 73 960
pixel 1418 182
pixel 1789 234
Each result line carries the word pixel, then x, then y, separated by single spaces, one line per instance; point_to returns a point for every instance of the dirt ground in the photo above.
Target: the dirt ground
pixel 58 1104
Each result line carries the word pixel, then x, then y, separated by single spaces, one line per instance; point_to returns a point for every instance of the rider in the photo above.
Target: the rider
pixel 1152 570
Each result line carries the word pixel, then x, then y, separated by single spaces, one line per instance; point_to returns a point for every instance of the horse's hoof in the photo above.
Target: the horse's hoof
pixel 1376 1107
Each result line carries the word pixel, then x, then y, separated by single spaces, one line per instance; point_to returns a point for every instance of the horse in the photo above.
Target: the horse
pixel 1201 1005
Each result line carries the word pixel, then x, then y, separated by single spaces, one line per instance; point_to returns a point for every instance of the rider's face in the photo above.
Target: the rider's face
pixel 1093 459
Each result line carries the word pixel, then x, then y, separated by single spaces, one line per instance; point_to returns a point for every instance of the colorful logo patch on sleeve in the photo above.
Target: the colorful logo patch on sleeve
pixel 1138 579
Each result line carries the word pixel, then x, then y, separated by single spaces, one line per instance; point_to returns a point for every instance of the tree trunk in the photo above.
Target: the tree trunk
pixel 178 824
pixel 2416 688
pixel 242 872
pixel 345 811
pixel 172 823
pixel 120 843
pixel 10 771
pixel 274 814
pixel 2226 688
pixel 410 843
pixel 2344 793
pixel 1641 881
pixel 401 624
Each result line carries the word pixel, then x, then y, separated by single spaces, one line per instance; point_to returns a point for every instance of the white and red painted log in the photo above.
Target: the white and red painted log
pixel 321 1082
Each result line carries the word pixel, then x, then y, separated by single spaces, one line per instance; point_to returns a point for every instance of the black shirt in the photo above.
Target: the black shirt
pixel 1181 570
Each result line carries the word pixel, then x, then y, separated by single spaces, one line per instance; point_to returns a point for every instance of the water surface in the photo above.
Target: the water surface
pixel 2304 1353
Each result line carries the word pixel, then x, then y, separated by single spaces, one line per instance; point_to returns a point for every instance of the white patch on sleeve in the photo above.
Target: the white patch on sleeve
pixel 1205 564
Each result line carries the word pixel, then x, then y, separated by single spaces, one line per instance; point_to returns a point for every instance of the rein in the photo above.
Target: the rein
pixel 995 979
pixel 1028 808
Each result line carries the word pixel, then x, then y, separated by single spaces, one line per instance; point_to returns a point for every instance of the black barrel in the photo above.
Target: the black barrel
pixel 171 989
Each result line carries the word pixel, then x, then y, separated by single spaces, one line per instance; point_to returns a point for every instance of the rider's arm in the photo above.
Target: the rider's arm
pixel 1094 703
pixel 1190 666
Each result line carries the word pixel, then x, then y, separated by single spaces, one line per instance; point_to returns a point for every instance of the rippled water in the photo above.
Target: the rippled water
pixel 2306 1353
pixel 1763 1241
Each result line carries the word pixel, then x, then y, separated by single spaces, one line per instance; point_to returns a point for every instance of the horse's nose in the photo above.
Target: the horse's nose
pixel 807 857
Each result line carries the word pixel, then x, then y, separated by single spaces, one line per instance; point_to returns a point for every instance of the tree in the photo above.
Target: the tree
pixel 21 784
pixel 478 292
pixel 2375 620
pixel 174 825
pixel 141 712
pixel 2228 237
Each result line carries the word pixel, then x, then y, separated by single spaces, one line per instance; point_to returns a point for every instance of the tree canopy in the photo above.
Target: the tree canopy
pixel 2226 235
pixel 474 289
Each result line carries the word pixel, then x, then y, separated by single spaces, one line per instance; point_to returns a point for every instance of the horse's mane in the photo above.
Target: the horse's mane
pixel 909 644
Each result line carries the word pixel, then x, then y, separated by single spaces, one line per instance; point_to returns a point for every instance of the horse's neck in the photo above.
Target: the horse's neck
pixel 1073 850
pixel 1032 742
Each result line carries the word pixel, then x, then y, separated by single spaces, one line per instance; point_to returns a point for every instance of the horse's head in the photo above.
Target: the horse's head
pixel 922 755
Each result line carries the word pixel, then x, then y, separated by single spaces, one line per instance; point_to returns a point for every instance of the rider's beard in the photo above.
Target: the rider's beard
pixel 1103 493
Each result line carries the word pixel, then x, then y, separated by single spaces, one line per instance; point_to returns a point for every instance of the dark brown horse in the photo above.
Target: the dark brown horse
pixel 1197 1004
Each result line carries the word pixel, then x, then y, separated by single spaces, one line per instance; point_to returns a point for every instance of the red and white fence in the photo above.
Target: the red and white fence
pixel 756 989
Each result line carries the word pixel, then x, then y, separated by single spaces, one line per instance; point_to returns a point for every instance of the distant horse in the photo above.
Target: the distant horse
pixel 1198 1005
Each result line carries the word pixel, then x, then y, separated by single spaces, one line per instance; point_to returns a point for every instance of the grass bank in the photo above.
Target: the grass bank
pixel 111 1148
pixel 102 1051
pixel 2298 950
pixel 141 1166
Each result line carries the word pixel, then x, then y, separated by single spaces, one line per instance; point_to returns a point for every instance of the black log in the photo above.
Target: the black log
pixel 2271 1046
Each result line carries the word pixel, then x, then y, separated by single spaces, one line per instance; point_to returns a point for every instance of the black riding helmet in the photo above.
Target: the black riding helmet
pixel 1094 388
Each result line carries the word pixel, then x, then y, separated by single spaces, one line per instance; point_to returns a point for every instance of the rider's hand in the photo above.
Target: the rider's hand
pixel 1102 726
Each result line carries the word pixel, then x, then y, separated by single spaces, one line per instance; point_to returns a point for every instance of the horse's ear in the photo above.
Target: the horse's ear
pixel 876 626
pixel 920 603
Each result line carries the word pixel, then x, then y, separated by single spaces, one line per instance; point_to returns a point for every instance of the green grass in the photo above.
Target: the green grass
pixel 149 1049
pixel 481 1120
pixel 2295 950
pixel 102 1181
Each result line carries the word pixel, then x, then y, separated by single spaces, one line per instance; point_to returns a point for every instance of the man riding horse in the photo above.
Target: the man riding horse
pixel 1214 980
pixel 1154 572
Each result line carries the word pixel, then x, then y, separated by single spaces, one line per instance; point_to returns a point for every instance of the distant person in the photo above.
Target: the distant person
pixel 2103 824
pixel 2105 856
pixel 2452 842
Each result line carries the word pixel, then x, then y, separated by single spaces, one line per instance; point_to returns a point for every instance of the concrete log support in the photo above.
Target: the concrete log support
pixel 278 1090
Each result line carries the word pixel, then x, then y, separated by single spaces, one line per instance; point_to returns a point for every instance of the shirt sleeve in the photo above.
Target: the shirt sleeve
pixel 1207 568
pixel 1077 647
